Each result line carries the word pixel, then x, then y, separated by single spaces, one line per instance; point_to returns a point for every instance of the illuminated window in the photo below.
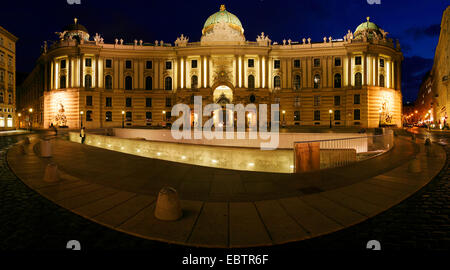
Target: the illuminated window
pixel 108 116
pixel 316 81
pixel 128 83
pixel 194 82
pixel 337 80
pixel 168 83
pixel 88 81
pixel 358 80
pixel 251 81
pixel 62 82
pixel 108 82
pixel 276 82
pixel 148 83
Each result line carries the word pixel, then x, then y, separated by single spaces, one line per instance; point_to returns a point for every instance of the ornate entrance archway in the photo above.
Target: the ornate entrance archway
pixel 223 95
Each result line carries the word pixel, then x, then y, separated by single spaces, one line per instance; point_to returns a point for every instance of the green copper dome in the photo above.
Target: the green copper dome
pixel 370 28
pixel 223 16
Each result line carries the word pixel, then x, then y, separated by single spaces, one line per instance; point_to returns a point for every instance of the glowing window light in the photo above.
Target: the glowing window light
pixel 251 164
pixel 292 166
pixel 214 161
pixel 138 150
pixel 158 154
pixel 183 157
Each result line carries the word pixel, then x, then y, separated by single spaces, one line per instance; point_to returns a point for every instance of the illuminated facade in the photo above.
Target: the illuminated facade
pixel 8 118
pixel 82 80
pixel 441 74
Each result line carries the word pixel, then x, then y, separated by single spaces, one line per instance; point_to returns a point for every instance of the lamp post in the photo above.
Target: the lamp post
pixel 81 119
pixel 284 118
pixel 19 115
pixel 123 115
pixel 330 111
pixel 31 118
pixel 379 120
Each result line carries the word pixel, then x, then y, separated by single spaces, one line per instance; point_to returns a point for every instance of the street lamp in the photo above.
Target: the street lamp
pixel 123 115
pixel 81 119
pixel 284 117
pixel 31 117
pixel 330 111
pixel 19 115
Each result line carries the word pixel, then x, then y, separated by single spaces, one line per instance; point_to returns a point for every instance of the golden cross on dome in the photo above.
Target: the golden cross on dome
pixel 222 7
pixel 75 20
pixel 368 18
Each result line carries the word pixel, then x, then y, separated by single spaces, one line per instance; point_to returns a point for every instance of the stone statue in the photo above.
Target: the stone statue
pixel 309 40
pixel 116 41
pixel 304 40
pixel 121 41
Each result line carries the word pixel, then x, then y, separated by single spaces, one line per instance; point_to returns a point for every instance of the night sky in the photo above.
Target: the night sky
pixel 416 23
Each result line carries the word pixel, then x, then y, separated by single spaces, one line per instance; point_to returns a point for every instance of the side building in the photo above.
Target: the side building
pixel 81 80
pixel 441 73
pixel 8 119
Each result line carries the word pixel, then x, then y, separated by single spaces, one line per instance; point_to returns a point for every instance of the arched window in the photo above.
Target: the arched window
pixel 168 83
pixel 381 80
pixel 62 82
pixel 297 82
pixel 337 80
pixel 194 82
pixel 128 83
pixel 316 81
pixel 108 115
pixel 108 82
pixel 148 83
pixel 88 81
pixel 358 80
pixel 276 82
pixel 251 81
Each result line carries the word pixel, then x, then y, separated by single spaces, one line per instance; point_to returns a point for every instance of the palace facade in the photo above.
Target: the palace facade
pixel 81 80
pixel 8 115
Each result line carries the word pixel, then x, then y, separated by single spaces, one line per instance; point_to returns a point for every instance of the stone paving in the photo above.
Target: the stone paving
pixel 263 222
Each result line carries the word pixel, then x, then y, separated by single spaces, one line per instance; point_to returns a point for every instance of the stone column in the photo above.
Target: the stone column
pixel 377 78
pixel 365 69
pixel 349 70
